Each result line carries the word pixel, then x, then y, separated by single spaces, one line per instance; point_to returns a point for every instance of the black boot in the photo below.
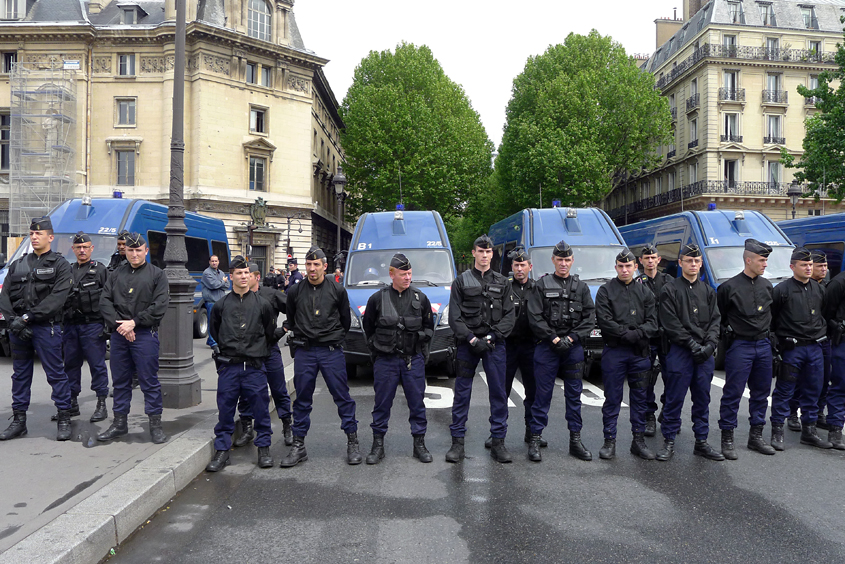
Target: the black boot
pixel 489 442
pixel 543 442
pixel 17 428
pixel 296 455
pixel 264 458
pixel 456 453
pixel 667 452
pixel 74 409
pixel 793 423
pixel 834 437
pixel 156 432
pixel 650 425
pixel 221 459
pixel 420 451
pixel 821 422
pixel 534 454
pixel 287 430
pixel 777 436
pixel 608 449
pixel 577 448
pixel 101 412
pixel 499 451
pixel 810 437
pixel 757 442
pixel 118 427
pixel 247 432
pixel 353 455
pixel 728 448
pixel 640 448
pixel 64 431
pixel 377 452
pixel 703 448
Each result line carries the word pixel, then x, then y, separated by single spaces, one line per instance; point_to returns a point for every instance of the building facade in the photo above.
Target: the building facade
pixel 730 71
pixel 260 117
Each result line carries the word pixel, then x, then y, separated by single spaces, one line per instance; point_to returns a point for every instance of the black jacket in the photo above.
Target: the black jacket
pixel 621 307
pixel 116 261
pixel 141 294
pixel 834 304
pixel 83 303
pixel 37 285
pixel 746 306
pixel 582 310
pixel 482 309
pixel 521 330
pixel 412 303
pixel 688 310
pixel 318 313
pixel 243 326
pixel 277 299
pixel 797 310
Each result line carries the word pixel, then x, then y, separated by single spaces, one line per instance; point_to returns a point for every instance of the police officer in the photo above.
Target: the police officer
pixel 834 312
pixel 655 280
pixel 243 325
pixel 820 276
pixel 294 275
pixel 690 318
pixel 481 317
pixel 32 300
pixel 83 337
pixel 118 258
pixel 801 329
pixel 214 286
pixel 399 325
pixel 745 306
pixel 561 315
pixel 627 317
pixel 319 317
pixel 133 304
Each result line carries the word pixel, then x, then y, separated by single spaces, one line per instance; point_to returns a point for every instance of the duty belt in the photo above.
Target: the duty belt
pixel 236 360
pixel 758 337
pixel 805 342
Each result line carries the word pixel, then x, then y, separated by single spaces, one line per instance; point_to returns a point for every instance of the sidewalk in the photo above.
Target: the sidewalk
pixel 73 501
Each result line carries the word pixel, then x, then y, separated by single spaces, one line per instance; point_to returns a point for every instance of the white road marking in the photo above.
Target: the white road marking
pixel 720 382
pixel 484 377
pixel 446 396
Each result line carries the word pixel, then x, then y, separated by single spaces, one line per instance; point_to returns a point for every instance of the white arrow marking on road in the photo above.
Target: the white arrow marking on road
pixel 597 401
pixel 519 388
pixel 484 377
pixel 720 382
pixel 444 401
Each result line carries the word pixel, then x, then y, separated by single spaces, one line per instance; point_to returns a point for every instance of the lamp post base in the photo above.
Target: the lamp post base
pixel 180 383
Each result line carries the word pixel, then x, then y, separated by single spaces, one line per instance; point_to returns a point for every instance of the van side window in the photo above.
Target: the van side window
pixel 221 250
pixel 506 260
pixel 669 252
pixel 496 263
pixel 198 255
pixel 158 242
pixel 834 256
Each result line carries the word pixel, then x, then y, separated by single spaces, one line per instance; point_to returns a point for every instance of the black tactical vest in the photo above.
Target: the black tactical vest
pixel 481 308
pixel 27 288
pixel 561 308
pixel 397 334
pixel 85 295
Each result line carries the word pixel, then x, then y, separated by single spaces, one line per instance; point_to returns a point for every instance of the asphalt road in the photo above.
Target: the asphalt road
pixel 782 508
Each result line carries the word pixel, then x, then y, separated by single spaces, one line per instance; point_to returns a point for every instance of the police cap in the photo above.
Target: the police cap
pixel 135 240
pixel 253 267
pixel 562 249
pixel 315 253
pixel 238 262
pixel 819 257
pixel 41 224
pixel 758 248
pixel 80 238
pixel 519 254
pixel 122 235
pixel 802 254
pixel 292 260
pixel 649 250
pixel 690 250
pixel 625 256
pixel 400 262
pixel 483 242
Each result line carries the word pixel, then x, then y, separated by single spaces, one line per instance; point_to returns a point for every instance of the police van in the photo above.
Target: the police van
pixel 594 239
pixel 821 232
pixel 104 218
pixel 421 236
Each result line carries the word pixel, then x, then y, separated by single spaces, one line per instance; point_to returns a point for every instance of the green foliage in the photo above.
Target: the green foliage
pixel 582 115
pixel 405 118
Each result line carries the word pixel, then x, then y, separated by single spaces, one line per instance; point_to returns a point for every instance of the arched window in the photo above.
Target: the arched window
pixel 260 19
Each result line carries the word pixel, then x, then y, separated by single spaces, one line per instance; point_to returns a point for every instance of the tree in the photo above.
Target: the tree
pixel 406 121
pixel 582 116
pixel 823 163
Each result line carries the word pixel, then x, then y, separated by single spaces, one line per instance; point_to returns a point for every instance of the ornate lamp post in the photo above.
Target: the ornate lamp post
pixel 794 192
pixel 339 182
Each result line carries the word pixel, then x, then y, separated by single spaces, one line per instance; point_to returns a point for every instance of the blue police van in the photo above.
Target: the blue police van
pixel 421 236
pixel 104 218
pixel 594 239
pixel 821 232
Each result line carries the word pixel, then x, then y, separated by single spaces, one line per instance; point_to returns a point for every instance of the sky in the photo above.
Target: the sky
pixel 481 45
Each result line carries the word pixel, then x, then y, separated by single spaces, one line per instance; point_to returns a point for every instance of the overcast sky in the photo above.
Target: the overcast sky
pixel 481 45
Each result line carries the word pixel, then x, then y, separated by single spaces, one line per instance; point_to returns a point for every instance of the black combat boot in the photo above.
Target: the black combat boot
pixel 757 442
pixel 777 436
pixel 543 442
pixel 534 445
pixel 420 451
pixel 650 425
pixel 221 459
pixel 74 409
pixel 101 412
pixel 17 428
pixel 489 442
pixel 728 448
pixel 667 452
pixel 296 455
pixel 821 422
pixel 64 431
pixel 353 455
pixel 810 437
pixel 156 432
pixel 499 451
pixel 456 453
pixel 792 422
pixel 703 448
pixel 608 449
pixel 264 458
pixel 247 432
pixel 834 437
pixel 287 430
pixel 640 448
pixel 118 427
pixel 377 452
pixel 577 448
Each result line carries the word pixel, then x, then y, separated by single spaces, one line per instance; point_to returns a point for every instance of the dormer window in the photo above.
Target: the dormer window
pixel 14 9
pixel 259 20
pixel 130 14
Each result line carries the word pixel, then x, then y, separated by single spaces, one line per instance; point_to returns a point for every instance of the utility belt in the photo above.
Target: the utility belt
pixel 758 337
pixel 789 343
pixel 84 320
pixel 238 360
pixel 305 343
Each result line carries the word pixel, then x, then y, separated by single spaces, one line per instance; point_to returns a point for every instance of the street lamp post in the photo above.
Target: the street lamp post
pixel 794 192
pixel 339 182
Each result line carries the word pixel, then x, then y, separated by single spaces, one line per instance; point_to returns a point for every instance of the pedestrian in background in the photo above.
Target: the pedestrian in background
pixel 215 283
pixel 294 275
pixel 118 258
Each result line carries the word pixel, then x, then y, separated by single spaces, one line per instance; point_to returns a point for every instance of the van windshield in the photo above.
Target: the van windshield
pixel 727 262
pixel 369 268
pixel 104 246
pixel 591 263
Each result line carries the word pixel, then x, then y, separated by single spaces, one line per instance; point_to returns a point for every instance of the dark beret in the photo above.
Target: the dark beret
pixel 758 248
pixel 483 242
pixel 135 240
pixel 562 249
pixel 41 224
pixel 80 238
pixel 400 262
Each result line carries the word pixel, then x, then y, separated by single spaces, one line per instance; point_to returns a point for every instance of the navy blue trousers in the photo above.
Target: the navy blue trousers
pixel 127 359
pixel 388 372
pixel 274 366
pixel 241 381
pixel 547 364
pixel 617 365
pixel 650 397
pixel 836 391
pixel 82 342
pixel 683 374
pixel 330 362
pixel 746 362
pixel 828 362
pixel 47 340
pixel 520 355
pixel 494 367
pixel 806 363
pixel 210 340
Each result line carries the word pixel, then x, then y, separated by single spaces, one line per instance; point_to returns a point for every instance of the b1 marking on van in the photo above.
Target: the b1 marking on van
pixel 433 244
pixel 364 246
pixel 107 230
pixel 714 241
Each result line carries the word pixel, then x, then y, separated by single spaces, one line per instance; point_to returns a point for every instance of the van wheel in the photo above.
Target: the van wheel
pixel 200 324
pixel 351 371
pixel 720 358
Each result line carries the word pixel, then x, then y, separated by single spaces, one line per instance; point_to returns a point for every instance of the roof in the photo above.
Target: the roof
pixel 56 11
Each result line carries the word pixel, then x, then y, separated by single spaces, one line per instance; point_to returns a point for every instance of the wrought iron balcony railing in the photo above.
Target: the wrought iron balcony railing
pixel 775 96
pixel 731 138
pixel 693 102
pixel 771 140
pixel 732 94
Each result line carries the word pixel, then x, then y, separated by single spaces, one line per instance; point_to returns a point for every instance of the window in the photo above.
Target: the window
pixel 693 130
pixel 126 65
pixel 259 20
pixel 5 131
pixel 129 16
pixel 197 254
pixel 808 13
pixel 670 181
pixel 772 48
pixel 658 185
pixel 813 82
pixel 731 126
pixel 693 173
pixel 729 43
pixel 767 14
pixel 693 87
pixel 815 47
pixel 735 9
pixel 251 71
pixel 257 166
pixel 774 172
pixel 12 9
pixel 125 111
pixel 265 76
pixel 731 172
pixel 773 126
pixel 257 123
pixel 221 250
pixel 125 168
pixel 8 60
pixel 731 84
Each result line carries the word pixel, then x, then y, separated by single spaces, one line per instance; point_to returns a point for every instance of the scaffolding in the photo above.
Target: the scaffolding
pixel 43 141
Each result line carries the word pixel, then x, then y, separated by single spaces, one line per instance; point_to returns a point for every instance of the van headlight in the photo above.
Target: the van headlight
pixel 444 317
pixel 356 323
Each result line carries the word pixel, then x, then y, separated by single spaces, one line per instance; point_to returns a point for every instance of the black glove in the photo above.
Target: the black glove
pixel 481 346
pixel 702 354
pixel 562 346
pixel 17 326
pixel 278 333
pixel 630 336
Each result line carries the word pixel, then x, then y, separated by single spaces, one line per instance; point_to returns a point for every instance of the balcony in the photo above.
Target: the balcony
pixel 771 140
pixel 693 102
pixel 674 112
pixel 692 144
pixel 811 101
pixel 732 94
pixel 671 154
pixel 775 96
pixel 731 138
